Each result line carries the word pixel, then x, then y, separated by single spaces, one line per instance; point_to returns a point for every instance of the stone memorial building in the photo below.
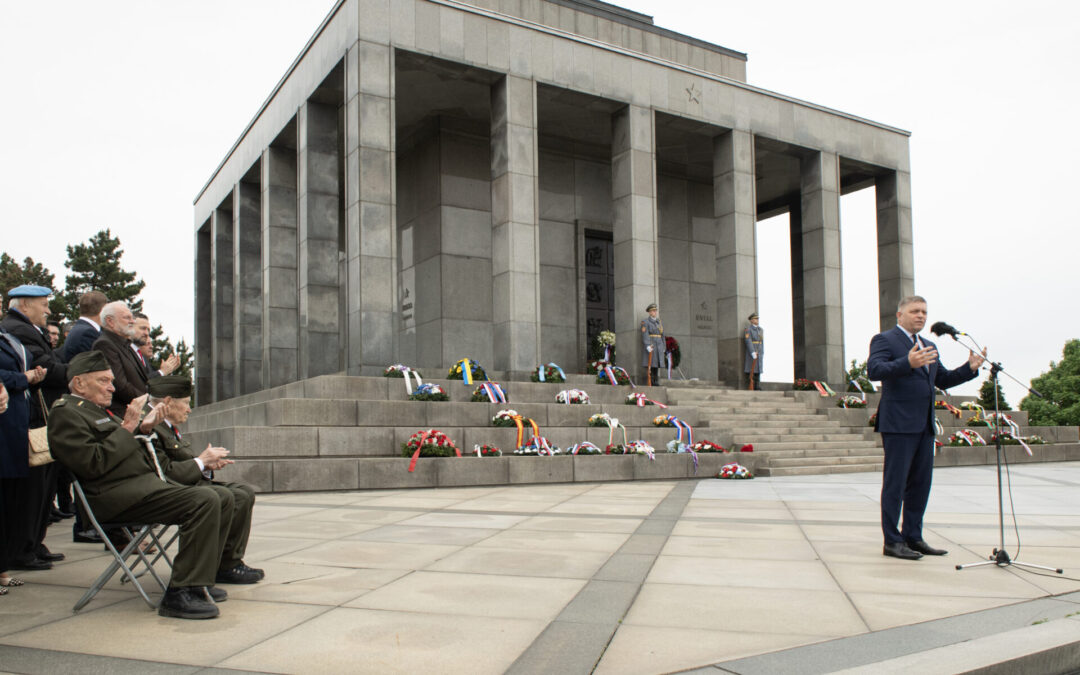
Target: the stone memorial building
pixel 502 179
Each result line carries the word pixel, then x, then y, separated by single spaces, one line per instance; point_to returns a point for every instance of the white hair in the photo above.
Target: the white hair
pixel 111 310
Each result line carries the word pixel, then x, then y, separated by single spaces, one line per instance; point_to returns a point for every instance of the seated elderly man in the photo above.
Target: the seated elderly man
pixel 122 484
pixel 171 394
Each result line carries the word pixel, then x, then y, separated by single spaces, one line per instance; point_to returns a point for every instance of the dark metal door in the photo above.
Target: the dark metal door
pixel 599 284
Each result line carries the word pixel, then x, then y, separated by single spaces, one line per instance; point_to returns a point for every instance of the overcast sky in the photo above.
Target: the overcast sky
pixel 116 113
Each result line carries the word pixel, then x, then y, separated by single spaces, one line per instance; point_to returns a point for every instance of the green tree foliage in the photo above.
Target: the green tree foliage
pixel 95 266
pixel 1061 388
pixel 986 396
pixel 13 274
pixel 857 372
pixel 162 347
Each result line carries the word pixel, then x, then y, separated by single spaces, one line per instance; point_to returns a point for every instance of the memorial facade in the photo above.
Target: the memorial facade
pixel 502 179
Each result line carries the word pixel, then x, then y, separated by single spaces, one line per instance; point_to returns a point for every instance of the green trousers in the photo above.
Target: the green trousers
pixel 243 500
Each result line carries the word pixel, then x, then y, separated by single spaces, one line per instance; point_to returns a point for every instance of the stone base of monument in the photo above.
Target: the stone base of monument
pixel 340 432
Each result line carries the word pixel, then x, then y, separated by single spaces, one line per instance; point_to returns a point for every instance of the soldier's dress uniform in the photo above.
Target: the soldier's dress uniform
pixel 177 462
pixel 754 338
pixel 122 485
pixel 652 333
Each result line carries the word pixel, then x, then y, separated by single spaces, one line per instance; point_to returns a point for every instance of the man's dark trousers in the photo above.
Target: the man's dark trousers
pixel 909 464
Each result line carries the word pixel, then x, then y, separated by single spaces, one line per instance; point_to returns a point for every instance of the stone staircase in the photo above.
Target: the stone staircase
pixel 789 436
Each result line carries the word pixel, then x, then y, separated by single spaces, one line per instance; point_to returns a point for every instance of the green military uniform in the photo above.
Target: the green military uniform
pixel 177 462
pixel 122 485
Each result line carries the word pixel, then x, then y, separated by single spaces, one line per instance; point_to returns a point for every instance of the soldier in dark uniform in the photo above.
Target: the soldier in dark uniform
pixel 652 338
pixel 180 465
pixel 754 338
pixel 122 483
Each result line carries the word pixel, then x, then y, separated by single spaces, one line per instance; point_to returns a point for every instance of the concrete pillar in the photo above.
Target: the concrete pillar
pixel 204 353
pixel 369 208
pixel 798 304
pixel 221 303
pixel 633 215
pixel 896 271
pixel 823 307
pixel 247 286
pixel 515 235
pixel 736 250
pixel 280 298
pixel 319 210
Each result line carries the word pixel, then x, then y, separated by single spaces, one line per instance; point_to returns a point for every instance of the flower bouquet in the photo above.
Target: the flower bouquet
pixel 671 346
pixel 748 447
pixel 600 420
pixel 465 366
pixel 604 375
pixel 735 472
pixel 707 446
pixel 549 373
pixel 641 448
pixel 803 384
pixel 663 421
pixel 850 402
pixel 965 437
pixel 572 397
pixel 585 448
pixel 1009 439
pixel 977 420
pixel 595 367
pixel 538 446
pixel 486 450
pixel 429 392
pixel 615 449
pixel 399 370
pixel 641 401
pixel 505 418
pixel 490 392
pixel 872 421
pixel 429 443
pixel 603 347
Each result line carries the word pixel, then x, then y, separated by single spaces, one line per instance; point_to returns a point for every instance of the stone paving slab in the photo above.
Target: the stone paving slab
pixel 770 575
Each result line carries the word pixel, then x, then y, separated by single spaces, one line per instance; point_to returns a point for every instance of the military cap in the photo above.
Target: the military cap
pixel 651 307
pixel 29 291
pixel 752 317
pixel 86 362
pixel 176 386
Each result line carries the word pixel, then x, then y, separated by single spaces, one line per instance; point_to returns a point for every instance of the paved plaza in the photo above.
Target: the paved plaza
pixel 771 575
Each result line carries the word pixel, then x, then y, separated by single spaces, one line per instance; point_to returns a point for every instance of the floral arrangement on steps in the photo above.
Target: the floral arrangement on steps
pixel 467 369
pixel 595 367
pixel 707 446
pixel 613 375
pixel 965 437
pixel 429 392
pixel 603 347
pixel 1009 439
pixel 572 397
pixel 977 420
pixel 538 446
pixel 850 402
pixel 486 450
pixel 632 448
pixel 399 370
pixel 663 421
pixel 872 421
pixel 428 443
pixel 490 392
pixel 599 420
pixel 585 448
pixel 671 346
pixel 734 471
pixel 641 401
pixel 505 418
pixel 945 405
pixel 803 384
pixel 549 373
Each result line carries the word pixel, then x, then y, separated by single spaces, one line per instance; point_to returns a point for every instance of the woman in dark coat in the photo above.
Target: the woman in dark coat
pixel 14 447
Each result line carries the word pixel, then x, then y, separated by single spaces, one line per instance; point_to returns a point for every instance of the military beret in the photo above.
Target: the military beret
pixel 176 386
pixel 651 307
pixel 86 362
pixel 29 291
pixel 752 316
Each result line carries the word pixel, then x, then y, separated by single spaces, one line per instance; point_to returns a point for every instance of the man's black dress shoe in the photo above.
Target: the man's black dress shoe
pixel 32 564
pixel 86 537
pixel 901 550
pixel 217 594
pixel 241 574
pixel 48 556
pixel 187 603
pixel 924 548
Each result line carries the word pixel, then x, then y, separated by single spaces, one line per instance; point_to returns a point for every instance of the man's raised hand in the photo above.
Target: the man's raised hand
pixel 921 356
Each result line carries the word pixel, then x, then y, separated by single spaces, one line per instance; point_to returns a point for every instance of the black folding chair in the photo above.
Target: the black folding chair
pixel 137 533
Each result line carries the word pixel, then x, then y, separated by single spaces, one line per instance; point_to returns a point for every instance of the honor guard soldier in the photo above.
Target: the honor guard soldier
pixel 180 465
pixel 754 337
pixel 123 484
pixel 652 337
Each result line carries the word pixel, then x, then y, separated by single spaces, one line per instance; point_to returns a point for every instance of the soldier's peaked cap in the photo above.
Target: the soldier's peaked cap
pixel 176 386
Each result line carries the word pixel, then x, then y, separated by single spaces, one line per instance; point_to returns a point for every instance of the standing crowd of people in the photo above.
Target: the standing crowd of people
pixel 112 423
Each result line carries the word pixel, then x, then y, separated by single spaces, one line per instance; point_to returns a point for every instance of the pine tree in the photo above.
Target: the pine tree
pixel 95 266
pixel 1061 388
pixel 30 272
pixel 986 396
pixel 162 347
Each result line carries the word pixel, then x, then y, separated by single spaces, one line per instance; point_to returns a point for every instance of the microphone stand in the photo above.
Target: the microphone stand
pixel 999 556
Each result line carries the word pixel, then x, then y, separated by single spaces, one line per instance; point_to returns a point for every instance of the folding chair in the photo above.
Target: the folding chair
pixel 137 534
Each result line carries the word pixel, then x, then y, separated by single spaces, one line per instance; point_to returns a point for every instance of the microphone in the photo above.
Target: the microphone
pixel 941 328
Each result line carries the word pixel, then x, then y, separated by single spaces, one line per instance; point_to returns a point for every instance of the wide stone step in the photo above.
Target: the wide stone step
pixel 777 462
pixel 806 445
pixel 818 470
pixel 759 437
pixel 764 414
pixel 818 452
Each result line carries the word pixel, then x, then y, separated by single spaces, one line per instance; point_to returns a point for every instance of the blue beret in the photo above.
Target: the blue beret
pixel 29 291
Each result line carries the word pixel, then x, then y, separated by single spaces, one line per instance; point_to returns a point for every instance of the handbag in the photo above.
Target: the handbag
pixel 39 439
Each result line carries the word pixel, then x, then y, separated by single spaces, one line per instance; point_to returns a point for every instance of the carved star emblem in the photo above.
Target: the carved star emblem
pixel 693 93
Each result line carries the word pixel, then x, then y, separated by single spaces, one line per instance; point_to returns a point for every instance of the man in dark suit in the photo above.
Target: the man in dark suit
pixel 88 328
pixel 908 369
pixel 27 316
pixel 118 331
